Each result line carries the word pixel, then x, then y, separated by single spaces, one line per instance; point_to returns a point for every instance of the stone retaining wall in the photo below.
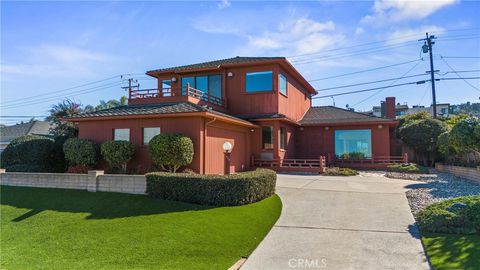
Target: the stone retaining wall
pixel 472 174
pixel 93 181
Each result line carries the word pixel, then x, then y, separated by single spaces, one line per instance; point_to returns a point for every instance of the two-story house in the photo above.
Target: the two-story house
pixel 261 105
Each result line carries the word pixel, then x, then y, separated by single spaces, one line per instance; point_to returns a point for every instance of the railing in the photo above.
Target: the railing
pixel 169 92
pixel 374 160
pixel 291 164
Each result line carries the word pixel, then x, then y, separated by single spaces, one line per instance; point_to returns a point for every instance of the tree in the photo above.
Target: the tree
pixel 171 151
pixel 408 119
pixel 58 112
pixel 117 153
pixel 465 136
pixel 80 151
pixel 422 136
pixel 106 105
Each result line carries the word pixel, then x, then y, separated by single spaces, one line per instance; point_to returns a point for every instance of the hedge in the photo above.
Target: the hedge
pixel 117 153
pixel 459 215
pixel 407 168
pixel 80 151
pixel 219 190
pixel 171 151
pixel 33 153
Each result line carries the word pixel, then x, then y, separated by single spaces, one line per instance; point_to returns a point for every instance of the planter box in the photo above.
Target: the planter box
pixel 472 174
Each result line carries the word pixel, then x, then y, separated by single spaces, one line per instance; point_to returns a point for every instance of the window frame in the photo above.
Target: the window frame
pixel 114 134
pixel 208 81
pixel 258 91
pixel 369 153
pixel 280 76
pixel 143 134
pixel 272 139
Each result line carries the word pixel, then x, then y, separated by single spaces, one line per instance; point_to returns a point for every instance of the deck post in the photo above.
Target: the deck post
pixel 405 158
pixel 322 164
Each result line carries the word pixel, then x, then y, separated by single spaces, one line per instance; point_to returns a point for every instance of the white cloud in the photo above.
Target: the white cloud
pixel 407 34
pixel 297 36
pixel 359 31
pixel 224 4
pixel 53 59
pixel 401 10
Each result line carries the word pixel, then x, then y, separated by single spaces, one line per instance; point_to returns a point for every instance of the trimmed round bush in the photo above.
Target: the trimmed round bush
pixel 80 152
pixel 459 215
pixel 407 168
pixel 171 151
pixel 117 153
pixel 220 190
pixel 336 171
pixel 30 153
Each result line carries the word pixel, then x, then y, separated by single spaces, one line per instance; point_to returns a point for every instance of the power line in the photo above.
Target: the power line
pixel 54 98
pixel 370 89
pixel 461 57
pixel 404 75
pixel 22 116
pixel 458 75
pixel 372 82
pixel 365 70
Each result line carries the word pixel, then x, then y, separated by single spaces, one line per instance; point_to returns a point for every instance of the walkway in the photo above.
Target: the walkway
pixel 360 222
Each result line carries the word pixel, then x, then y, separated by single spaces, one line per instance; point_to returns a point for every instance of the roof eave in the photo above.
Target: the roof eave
pixel 352 123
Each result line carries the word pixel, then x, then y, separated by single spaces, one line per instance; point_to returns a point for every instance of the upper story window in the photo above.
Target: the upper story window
pixel 267 137
pixel 209 84
pixel 121 134
pixel 149 133
pixel 259 81
pixel 282 84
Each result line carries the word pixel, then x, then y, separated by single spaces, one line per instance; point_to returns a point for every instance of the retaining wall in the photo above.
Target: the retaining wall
pixel 93 181
pixel 472 174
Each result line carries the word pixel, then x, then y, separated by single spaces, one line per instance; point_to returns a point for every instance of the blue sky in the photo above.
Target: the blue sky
pixel 51 46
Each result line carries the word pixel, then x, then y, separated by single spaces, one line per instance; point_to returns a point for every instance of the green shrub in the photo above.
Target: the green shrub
pixel 234 189
pixel 171 151
pixel 80 152
pixel 440 218
pixel 336 171
pixel 32 153
pixel 407 168
pixel 117 153
pixel 352 155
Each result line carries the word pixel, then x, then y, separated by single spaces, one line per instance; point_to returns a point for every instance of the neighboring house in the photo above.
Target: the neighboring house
pixel 261 105
pixel 443 110
pixel 9 133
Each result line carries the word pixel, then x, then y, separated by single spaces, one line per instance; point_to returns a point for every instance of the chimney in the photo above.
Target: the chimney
pixel 390 107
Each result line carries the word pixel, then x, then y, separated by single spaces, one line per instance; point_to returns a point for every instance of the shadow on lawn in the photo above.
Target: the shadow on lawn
pixel 449 251
pixel 100 205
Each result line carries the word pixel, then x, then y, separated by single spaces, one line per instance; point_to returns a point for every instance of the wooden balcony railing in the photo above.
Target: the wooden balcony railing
pixel 374 160
pixel 169 92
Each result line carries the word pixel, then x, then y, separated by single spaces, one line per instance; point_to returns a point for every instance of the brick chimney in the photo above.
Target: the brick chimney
pixel 390 107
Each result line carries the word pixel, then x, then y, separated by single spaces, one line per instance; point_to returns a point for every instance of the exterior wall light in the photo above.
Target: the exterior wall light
pixel 380 126
pixel 327 128
pixel 252 130
pixel 174 79
pixel 230 74
pixel 227 147
pixel 301 128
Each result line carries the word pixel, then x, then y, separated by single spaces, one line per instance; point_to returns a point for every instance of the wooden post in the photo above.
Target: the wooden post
pixel 405 158
pixel 322 164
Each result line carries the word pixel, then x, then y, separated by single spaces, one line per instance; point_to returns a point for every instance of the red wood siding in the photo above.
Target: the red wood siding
pixel 296 103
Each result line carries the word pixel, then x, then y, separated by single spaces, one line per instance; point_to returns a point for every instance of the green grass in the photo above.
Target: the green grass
pixel 68 229
pixel 453 251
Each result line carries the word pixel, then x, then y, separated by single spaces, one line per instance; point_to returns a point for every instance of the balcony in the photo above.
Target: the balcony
pixel 190 94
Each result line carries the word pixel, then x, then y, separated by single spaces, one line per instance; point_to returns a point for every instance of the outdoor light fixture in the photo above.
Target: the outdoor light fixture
pixel 252 130
pixel 327 128
pixel 174 79
pixel 301 129
pixel 227 147
pixel 230 74
pixel 380 126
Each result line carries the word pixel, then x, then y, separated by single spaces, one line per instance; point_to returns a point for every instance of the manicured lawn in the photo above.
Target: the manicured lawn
pixel 453 251
pixel 68 229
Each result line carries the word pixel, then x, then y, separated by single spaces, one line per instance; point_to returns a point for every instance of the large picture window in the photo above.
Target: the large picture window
pixel 267 137
pixel 149 133
pixel 121 134
pixel 353 143
pixel 259 81
pixel 209 84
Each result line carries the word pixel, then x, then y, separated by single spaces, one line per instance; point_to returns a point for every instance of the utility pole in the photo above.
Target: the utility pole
pixel 427 47
pixel 130 86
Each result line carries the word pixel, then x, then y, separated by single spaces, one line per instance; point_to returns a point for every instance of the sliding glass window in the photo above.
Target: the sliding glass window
pixel 353 143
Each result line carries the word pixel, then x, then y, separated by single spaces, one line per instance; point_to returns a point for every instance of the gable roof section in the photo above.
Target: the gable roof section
pixel 216 63
pixel 333 115
pixel 157 109
pixel 9 133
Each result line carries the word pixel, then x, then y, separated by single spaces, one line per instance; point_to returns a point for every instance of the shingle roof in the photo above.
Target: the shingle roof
pixel 332 115
pixel 162 108
pixel 9 133
pixel 216 63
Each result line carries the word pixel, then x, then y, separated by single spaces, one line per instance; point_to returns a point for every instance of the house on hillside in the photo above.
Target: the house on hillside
pixel 443 110
pixel 9 133
pixel 261 105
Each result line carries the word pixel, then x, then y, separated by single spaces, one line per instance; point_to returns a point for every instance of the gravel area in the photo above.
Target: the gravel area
pixel 436 187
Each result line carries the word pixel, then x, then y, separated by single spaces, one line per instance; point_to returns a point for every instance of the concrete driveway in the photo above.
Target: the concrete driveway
pixel 328 222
